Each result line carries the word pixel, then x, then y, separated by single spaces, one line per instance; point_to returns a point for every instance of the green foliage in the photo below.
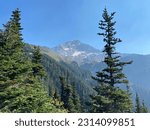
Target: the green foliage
pixel 76 101
pixel 138 105
pixel 36 60
pixel 69 97
pixel 76 77
pixel 12 61
pixel 111 100
pixel 140 108
pixel 21 89
pixel 144 108
pixel 109 97
pixel 56 95
pixel 27 99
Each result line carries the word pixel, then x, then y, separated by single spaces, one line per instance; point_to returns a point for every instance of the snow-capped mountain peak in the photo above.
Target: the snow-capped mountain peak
pixel 79 52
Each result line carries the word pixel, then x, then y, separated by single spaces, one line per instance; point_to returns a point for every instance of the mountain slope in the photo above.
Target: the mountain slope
pixel 62 60
pixel 51 53
pixel 77 77
pixel 138 72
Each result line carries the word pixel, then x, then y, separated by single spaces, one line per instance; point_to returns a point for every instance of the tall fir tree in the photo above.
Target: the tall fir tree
pixel 69 97
pixel 13 63
pixel 20 91
pixel 76 101
pixel 37 68
pixel 14 67
pixel 109 97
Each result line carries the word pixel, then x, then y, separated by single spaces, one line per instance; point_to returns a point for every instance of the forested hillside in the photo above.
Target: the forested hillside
pixel 79 78
pixel 37 79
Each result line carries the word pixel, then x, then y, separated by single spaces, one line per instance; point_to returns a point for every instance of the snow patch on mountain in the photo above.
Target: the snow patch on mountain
pixel 66 49
pixel 77 53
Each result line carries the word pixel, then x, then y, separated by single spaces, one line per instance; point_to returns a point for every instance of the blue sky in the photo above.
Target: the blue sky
pixel 51 22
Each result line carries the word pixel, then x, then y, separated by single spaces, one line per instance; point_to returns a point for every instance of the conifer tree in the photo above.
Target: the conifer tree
pixel 144 108
pixel 13 63
pixel 76 101
pixel 110 98
pixel 138 104
pixel 36 60
pixel 140 108
pixel 20 91
pixel 69 97
pixel 66 94
pixel 56 95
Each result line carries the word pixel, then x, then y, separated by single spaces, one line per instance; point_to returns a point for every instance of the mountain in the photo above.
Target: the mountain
pixel 73 59
pixel 89 58
pixel 78 52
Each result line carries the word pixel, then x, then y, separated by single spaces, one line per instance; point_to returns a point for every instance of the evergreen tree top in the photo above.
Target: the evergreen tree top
pixel 112 74
pixel 14 24
pixel 107 25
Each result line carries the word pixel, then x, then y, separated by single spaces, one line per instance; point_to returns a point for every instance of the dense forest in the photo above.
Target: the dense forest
pixel 31 81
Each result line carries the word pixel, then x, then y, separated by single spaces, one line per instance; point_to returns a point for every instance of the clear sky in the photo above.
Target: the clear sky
pixel 51 22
